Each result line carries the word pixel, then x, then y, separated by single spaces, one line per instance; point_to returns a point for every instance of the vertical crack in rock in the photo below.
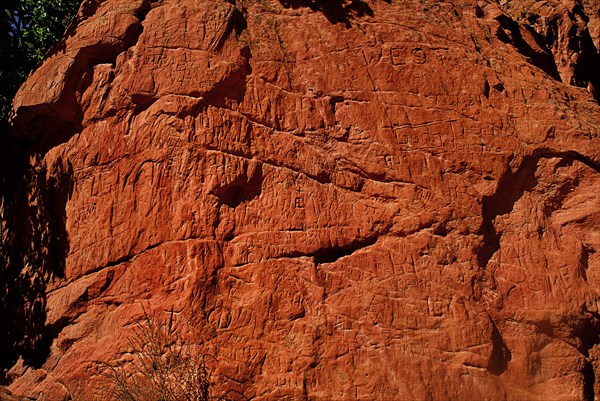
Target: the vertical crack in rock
pixel 589 379
pixel 589 334
pixel 590 337
pixel 500 356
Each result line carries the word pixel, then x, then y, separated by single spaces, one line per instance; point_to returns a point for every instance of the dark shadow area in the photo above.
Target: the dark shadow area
pixel 512 33
pixel 336 11
pixel 33 247
pixel 237 23
pixel 141 102
pixel 330 255
pixel 589 333
pixel 587 69
pixel 510 189
pixel 334 253
pixel 582 159
pixel 501 355
pixel 586 66
pixel 588 330
pixel 33 198
pixel 233 86
pixel 243 189
pixel 57 190
pixel 589 378
pixel 585 260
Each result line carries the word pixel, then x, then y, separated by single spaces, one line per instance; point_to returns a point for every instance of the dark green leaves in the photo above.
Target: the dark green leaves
pixel 28 28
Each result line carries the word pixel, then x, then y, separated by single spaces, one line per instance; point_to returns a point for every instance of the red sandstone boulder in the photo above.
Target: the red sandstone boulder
pixel 6 395
pixel 353 199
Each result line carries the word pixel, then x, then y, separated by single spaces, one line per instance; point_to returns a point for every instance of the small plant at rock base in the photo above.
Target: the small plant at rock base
pixel 165 366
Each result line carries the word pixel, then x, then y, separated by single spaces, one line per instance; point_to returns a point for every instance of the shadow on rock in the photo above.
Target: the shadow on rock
pixel 33 249
pixel 336 11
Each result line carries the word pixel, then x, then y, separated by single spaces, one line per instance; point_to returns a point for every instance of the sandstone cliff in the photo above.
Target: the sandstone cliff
pixel 350 199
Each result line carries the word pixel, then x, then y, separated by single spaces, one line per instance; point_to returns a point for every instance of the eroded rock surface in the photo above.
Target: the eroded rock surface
pixel 353 199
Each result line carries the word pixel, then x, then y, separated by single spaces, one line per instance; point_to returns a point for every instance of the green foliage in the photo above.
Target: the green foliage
pixel 28 28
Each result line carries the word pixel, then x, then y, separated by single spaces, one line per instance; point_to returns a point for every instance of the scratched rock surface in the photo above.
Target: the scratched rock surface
pixel 365 199
pixel 6 395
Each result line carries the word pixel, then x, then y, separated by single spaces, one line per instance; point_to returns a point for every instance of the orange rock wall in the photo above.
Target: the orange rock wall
pixel 350 200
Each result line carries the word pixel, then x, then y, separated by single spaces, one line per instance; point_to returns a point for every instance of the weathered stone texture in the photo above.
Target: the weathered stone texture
pixel 392 200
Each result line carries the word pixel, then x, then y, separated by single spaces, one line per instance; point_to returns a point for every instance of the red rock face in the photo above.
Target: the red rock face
pixel 392 200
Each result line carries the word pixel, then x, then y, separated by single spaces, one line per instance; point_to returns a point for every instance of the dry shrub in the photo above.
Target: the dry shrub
pixel 165 366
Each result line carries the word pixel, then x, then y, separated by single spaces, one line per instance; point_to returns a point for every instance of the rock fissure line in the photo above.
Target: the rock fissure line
pixel 334 253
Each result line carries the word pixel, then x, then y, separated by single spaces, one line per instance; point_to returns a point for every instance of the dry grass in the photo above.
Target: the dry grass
pixel 165 366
